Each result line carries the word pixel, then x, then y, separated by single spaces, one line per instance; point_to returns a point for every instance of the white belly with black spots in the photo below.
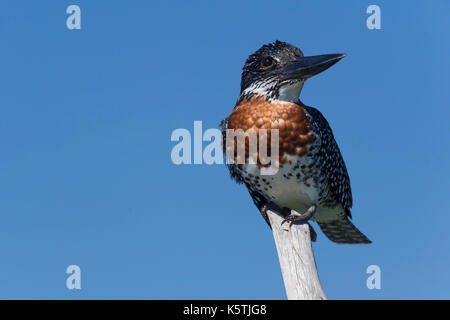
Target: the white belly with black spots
pixel 294 186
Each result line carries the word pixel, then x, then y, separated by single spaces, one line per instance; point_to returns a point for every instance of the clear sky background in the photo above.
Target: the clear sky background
pixel 86 176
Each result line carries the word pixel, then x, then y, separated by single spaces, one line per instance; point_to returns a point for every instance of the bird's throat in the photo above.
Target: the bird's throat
pixel 290 92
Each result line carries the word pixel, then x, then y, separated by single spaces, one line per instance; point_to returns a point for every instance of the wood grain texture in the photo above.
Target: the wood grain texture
pixel 297 262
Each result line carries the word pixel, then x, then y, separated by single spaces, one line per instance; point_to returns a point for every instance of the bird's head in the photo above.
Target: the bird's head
pixel 278 70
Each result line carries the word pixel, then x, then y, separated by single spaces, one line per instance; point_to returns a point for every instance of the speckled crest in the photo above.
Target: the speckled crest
pixel 282 52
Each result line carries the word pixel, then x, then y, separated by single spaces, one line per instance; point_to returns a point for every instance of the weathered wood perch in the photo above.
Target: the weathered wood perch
pixel 297 263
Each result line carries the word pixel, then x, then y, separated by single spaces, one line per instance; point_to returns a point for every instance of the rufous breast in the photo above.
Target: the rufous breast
pixel 294 129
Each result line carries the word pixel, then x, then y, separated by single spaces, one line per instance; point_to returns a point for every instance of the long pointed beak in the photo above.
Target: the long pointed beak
pixel 306 67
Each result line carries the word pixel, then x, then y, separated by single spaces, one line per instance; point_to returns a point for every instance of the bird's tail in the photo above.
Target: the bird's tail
pixel 343 231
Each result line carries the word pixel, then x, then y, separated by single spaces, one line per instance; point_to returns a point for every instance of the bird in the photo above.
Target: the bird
pixel 311 182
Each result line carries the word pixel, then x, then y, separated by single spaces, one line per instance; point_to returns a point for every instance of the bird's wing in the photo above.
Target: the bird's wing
pixel 333 165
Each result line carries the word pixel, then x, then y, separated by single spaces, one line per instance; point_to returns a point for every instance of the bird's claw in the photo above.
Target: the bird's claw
pixel 297 218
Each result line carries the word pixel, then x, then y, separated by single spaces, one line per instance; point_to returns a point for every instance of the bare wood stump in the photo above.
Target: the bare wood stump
pixel 297 262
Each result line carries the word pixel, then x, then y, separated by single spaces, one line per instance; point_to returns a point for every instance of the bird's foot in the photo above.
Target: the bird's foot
pixel 296 218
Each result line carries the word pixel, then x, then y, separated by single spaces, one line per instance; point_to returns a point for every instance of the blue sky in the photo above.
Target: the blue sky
pixel 86 176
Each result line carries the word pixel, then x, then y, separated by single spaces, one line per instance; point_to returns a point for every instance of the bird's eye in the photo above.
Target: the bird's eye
pixel 267 62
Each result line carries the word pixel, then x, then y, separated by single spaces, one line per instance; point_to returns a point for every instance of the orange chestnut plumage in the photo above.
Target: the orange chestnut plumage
pixel 289 119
